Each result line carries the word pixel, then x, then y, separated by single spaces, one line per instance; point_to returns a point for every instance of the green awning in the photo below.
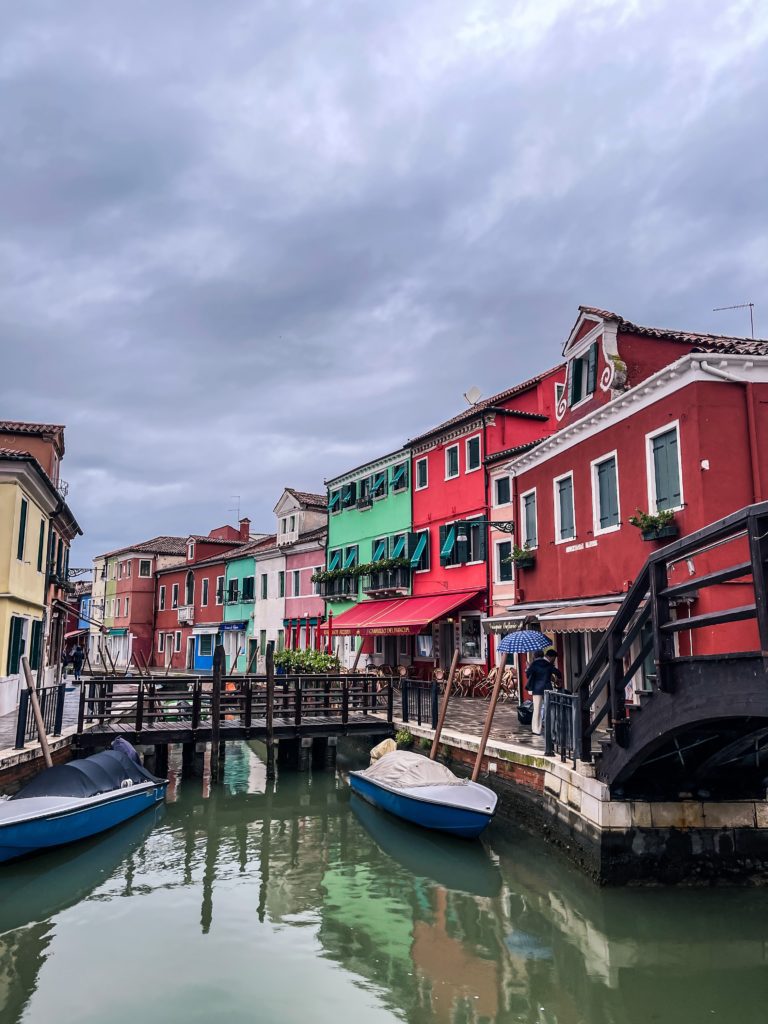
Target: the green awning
pixel 419 549
pixel 122 631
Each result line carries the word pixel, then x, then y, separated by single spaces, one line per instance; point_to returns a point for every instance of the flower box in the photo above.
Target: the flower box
pixel 525 561
pixel 668 532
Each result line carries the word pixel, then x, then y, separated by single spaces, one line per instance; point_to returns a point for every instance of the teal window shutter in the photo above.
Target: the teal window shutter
pixel 418 551
pixel 379 549
pixel 592 370
pixel 22 528
pixel 400 476
pixel 565 496
pixel 607 491
pixel 335 499
pixel 334 561
pixel 398 547
pixel 379 487
pixel 666 470
pixel 351 558
pixel 446 549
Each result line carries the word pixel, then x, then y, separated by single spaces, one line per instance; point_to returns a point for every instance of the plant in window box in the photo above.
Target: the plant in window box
pixel 523 558
pixel 655 526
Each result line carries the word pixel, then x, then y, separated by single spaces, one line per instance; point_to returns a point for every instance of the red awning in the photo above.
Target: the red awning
pixel 75 632
pixel 578 618
pixel 401 616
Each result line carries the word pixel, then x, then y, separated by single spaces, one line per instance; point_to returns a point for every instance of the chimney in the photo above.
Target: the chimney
pixel 245 529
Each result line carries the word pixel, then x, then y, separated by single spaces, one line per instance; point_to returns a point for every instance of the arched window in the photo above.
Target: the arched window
pixel 190 588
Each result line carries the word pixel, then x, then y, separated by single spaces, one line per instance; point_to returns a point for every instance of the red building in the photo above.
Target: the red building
pixel 451 504
pixel 190 599
pixel 654 420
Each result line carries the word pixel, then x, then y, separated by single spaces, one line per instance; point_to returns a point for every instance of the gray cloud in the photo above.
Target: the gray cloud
pixel 251 245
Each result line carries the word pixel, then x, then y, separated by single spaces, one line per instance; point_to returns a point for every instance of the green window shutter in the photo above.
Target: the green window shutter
pixel 505 561
pixel 667 473
pixel 398 547
pixel 15 646
pixel 22 529
pixel 592 370
pixel 41 546
pixel 351 558
pixel 462 546
pixel 379 487
pixel 448 540
pixel 530 538
pixel 574 381
pixel 400 477
pixel 418 551
pixel 482 546
pixel 334 500
pixel 565 496
pixel 379 549
pixel 34 644
pixel 608 494
pixel 335 559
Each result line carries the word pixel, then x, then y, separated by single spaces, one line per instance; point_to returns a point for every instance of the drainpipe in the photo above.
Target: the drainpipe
pixel 716 371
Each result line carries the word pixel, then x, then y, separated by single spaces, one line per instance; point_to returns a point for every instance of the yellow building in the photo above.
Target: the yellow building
pixel 36 528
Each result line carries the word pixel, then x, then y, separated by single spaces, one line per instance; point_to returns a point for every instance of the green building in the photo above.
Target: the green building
pixel 369 541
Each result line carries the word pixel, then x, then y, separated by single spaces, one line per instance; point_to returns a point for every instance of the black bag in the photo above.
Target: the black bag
pixel 525 712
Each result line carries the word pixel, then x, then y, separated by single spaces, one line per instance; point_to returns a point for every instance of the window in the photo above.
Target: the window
pixel 41 546
pixel 161 643
pixel 448 553
pixel 473 454
pixel 204 596
pixel 296 583
pixel 128 569
pixel 127 605
pixel 232 591
pixel 664 486
pixel 145 567
pixel 219 590
pixel 559 392
pixel 605 495
pixel 379 549
pixel 249 589
pixel 22 530
pixel 161 599
pixel 281 639
pixel 189 588
pixel 378 645
pixel 470 541
pixel 205 645
pixel 283 526
pixel 350 557
pixel 502 491
pixel 451 462
pixel 264 585
pixel 315 571
pixel 334 559
pixel 293 524
pixel 15 645
pixel 191 549
pixel 175 596
pixel 424 645
pixel 582 376
pixel 281 583
pixel 400 477
pixel 348 495
pixel 422 474
pixel 263 641
pixel 420 551
pixel 364 492
pixel 528 515
pixel 504 568
pixel 470 638
pixel 177 641
pixel 334 501
pixel 119 570
pixel 565 526
pixel 398 546
pixel 379 485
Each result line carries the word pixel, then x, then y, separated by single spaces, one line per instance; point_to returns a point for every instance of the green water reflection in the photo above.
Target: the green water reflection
pixel 291 902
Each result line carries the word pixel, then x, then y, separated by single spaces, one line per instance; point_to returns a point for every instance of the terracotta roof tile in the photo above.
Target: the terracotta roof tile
pixel 316 501
pixel 726 344
pixel 18 427
pixel 15 453
pixel 509 453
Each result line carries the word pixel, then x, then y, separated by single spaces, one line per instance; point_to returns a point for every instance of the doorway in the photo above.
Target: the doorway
pixel 390 651
pixel 190 652
pixel 447 644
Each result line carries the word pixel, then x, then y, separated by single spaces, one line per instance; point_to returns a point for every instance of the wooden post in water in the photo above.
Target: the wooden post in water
pixel 444 705
pixel 219 660
pixel 252 659
pixel 270 712
pixel 489 717
pixel 357 657
pixel 36 712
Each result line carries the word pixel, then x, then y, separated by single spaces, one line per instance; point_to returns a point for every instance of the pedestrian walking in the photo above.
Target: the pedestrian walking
pixel 78 657
pixel 542 675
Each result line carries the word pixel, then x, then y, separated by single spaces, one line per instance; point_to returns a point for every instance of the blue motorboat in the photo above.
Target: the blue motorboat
pixel 426 793
pixel 74 801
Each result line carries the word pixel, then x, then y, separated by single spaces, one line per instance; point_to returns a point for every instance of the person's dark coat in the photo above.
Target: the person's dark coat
pixel 78 657
pixel 539 675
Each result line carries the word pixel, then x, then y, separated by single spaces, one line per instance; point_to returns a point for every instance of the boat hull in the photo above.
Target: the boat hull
pixel 81 819
pixel 456 821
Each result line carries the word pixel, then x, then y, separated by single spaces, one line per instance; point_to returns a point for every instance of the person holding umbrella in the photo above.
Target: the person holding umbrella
pixel 540 674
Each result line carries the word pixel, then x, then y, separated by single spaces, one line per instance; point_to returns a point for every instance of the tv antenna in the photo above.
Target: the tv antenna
pixel 236 507
pixel 472 395
pixel 741 305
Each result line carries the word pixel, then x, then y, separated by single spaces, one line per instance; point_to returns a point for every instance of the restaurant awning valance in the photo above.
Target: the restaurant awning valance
pixel 578 618
pixel 404 616
pixel 118 631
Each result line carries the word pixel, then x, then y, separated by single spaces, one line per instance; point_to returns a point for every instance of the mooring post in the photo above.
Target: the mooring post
pixel 219 660
pixel 444 705
pixel 270 728
pixel 489 717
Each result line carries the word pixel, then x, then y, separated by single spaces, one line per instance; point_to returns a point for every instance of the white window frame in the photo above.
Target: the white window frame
pixel 502 504
pixel 593 467
pixel 523 538
pixel 559 392
pixel 148 562
pixel 220 590
pixel 428 532
pixel 416 485
pixel 479 659
pixel 161 599
pixel 556 502
pixel 204 589
pixel 650 469
pixel 161 642
pixel 479 466
pixel 497 563
pixel 174 596
pixel 177 642
pixel 296 578
pixel 316 586
pixel 457 474
pixel 127 604
pixel 128 568
pixel 191 550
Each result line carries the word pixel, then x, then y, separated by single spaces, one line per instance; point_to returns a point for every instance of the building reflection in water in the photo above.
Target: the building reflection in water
pixel 436 930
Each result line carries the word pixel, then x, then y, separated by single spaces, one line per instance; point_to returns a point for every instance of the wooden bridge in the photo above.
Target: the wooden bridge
pixel 701 724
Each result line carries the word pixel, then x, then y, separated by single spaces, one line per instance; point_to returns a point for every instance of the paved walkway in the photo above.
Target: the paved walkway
pixel 467 715
pixel 8 722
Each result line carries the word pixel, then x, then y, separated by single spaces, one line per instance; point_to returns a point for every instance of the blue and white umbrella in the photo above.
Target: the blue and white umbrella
pixel 523 640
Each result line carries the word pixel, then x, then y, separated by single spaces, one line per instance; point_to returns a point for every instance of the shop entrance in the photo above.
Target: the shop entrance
pixel 447 644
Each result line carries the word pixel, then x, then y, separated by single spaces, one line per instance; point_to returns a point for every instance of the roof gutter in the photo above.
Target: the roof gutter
pixel 752 434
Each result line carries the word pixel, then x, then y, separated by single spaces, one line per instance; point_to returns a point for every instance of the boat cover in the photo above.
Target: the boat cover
pixel 100 773
pixel 402 769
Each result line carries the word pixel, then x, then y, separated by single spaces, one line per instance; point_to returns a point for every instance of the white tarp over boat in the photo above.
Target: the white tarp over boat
pixel 403 769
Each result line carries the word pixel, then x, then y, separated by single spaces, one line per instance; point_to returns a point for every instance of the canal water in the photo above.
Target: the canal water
pixel 292 902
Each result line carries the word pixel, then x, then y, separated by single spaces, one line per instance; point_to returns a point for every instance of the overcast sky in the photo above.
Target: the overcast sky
pixel 252 244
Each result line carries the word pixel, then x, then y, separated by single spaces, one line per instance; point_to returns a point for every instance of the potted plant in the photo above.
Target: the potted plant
pixel 655 526
pixel 524 557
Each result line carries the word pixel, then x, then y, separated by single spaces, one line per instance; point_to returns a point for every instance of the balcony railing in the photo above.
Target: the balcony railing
pixel 387 581
pixel 343 588
pixel 186 614
pixel 364 501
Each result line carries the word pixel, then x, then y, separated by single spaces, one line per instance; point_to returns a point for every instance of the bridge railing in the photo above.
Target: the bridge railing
pixel 562 725
pixel 144 703
pixel 644 627
pixel 419 702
